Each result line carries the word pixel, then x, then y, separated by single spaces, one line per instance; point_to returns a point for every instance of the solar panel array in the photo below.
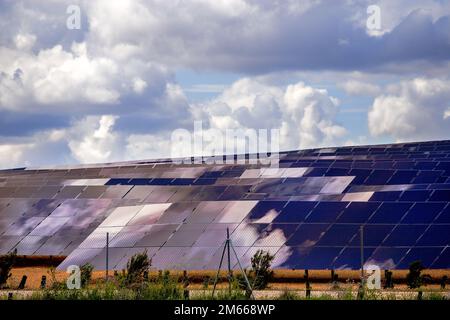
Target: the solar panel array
pixel 308 212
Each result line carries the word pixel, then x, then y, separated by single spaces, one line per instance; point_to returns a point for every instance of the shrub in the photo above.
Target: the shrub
pixel 86 274
pixel 6 264
pixel 288 295
pixel 389 283
pixel 136 267
pixel 164 288
pixel 54 283
pixel 260 273
pixel 414 278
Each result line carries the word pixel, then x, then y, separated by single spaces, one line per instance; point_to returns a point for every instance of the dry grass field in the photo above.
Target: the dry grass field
pixel 283 279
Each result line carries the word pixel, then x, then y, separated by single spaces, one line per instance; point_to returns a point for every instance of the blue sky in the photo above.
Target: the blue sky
pixel 324 73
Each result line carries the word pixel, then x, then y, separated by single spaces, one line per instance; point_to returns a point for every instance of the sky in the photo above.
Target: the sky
pixel 101 81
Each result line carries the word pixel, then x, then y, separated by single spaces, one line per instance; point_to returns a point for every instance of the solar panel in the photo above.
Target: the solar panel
pixel 423 212
pixel 308 212
pixel 326 212
pixel 295 211
pixel 390 212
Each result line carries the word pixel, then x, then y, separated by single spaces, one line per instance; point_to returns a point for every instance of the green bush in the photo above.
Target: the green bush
pixel 6 264
pixel 137 266
pixel 288 295
pixel 260 273
pixel 414 278
pixel 86 274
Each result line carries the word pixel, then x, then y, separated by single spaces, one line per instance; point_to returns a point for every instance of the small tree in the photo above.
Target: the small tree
pixel 261 272
pixel 6 264
pixel 86 274
pixel 136 267
pixel 414 278
pixel 388 282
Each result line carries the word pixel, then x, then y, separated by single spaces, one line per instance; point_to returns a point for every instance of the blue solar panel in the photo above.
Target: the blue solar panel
pixel 436 235
pixel 338 235
pixel 383 165
pixel 311 258
pixel 350 258
pixel 373 235
pixel 360 175
pixel 266 209
pixel 358 212
pixel 326 212
pixel 160 181
pixel 443 166
pixel 402 177
pixel 404 235
pixel 319 258
pixel 311 218
pixel 295 211
pixel 443 260
pixel 182 182
pixel 307 235
pixel 416 195
pixel 403 164
pixel 202 182
pixel 440 195
pixel 390 212
pixel 386 196
pixel 337 172
pixel 423 212
pixel 388 258
pixel 444 216
pixel 116 181
pixel 379 177
pixel 425 165
pixel 212 174
pixel 139 182
pixel 425 255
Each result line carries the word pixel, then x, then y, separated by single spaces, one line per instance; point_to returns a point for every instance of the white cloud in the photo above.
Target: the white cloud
pixel 14 152
pixel 56 76
pixel 139 85
pixel 93 140
pixel 305 115
pixel 122 64
pixel 357 88
pixel 414 109
pixel 264 36
pixel 24 41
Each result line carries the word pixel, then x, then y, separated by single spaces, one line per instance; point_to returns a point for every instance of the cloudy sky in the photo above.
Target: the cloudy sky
pixel 117 87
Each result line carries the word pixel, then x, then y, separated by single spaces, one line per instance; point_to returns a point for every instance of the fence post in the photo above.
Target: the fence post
pixel 107 254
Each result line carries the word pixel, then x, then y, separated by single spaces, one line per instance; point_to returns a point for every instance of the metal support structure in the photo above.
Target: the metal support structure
pixel 361 243
pixel 227 246
pixel 243 272
pixel 220 266
pixel 361 236
pixel 107 254
pixel 229 261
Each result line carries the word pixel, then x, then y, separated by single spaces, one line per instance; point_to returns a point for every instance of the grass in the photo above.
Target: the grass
pixel 171 288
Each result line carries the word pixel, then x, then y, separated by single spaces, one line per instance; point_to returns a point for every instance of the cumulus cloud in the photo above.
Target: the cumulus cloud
pixel 260 36
pixel 305 115
pixel 55 76
pixel 414 109
pixel 357 88
pixel 109 90
pixel 264 36
pixel 15 154
pixel 93 140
